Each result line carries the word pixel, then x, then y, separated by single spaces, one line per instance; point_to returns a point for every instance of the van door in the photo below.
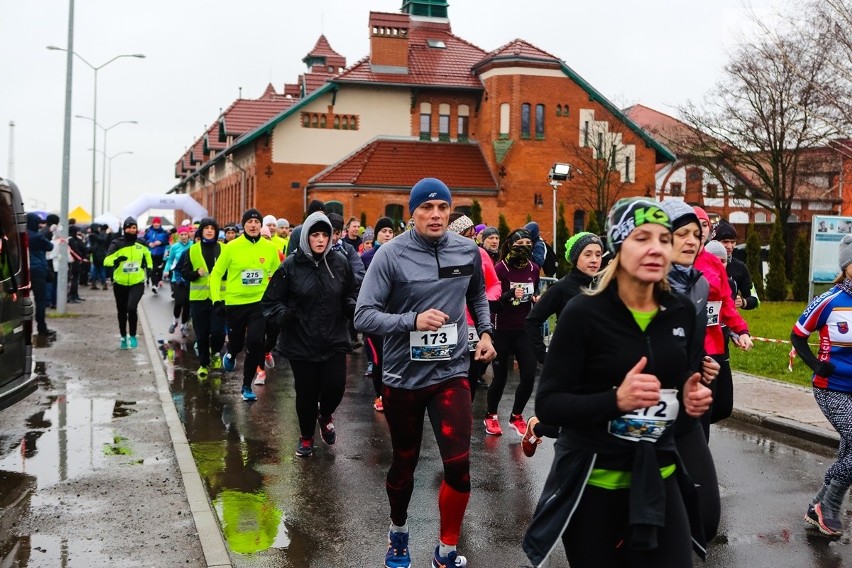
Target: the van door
pixel 13 340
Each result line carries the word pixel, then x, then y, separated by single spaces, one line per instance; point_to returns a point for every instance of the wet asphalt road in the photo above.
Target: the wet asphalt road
pixel 331 509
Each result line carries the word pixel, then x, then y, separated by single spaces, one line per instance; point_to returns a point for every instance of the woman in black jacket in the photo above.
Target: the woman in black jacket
pixel 614 381
pixel 312 295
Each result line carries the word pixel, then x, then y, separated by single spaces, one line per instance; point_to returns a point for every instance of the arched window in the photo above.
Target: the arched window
pixel 505 113
pixel 539 121
pixel 425 121
pixel 322 122
pixel 394 211
pixel 579 221
pixel 464 122
pixel 760 217
pixel 558 110
pixel 444 122
pixel 526 109
pixel 336 122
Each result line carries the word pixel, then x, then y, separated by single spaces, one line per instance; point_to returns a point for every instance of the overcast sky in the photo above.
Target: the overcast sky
pixel 200 53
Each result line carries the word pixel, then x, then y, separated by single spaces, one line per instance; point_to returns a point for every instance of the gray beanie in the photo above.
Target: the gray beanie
pixel 488 231
pixel 717 249
pixel 680 213
pixel 845 252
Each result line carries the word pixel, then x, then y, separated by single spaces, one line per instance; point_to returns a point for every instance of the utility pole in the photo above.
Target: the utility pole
pixel 62 273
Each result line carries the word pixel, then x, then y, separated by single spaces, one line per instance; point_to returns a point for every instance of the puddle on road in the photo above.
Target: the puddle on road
pixel 48 550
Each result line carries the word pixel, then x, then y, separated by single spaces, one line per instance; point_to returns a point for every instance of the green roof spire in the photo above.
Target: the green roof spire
pixel 429 8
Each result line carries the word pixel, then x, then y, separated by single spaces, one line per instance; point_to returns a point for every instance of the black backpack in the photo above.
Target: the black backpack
pixel 551 261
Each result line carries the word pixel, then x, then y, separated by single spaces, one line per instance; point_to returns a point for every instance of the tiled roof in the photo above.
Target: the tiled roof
pixel 196 153
pixel 314 81
pixel 433 66
pixel 245 115
pixel 389 19
pixel 323 49
pixel 667 129
pixel 211 139
pixel 519 49
pixel 398 163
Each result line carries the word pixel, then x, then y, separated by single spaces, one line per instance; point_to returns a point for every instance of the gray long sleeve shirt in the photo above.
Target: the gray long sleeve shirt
pixel 412 274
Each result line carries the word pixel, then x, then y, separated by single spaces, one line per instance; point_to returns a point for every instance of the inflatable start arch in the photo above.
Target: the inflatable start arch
pixel 153 201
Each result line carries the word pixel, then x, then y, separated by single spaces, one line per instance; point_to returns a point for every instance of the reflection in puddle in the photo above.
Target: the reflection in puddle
pixel 65 440
pixel 47 550
pixel 250 521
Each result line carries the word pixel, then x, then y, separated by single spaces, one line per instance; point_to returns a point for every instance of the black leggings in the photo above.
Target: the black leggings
pixel 696 456
pixel 126 300
pixel 247 328
pixel 374 345
pixel 318 383
pixel 723 395
pixel 598 534
pixel 517 342
pixel 209 330
pixel 448 405
pixel 181 295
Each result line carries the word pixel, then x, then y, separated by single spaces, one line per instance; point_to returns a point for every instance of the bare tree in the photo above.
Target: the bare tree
pixel 604 165
pixel 764 113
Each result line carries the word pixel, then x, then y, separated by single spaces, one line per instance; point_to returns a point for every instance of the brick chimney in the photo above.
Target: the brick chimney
pixel 389 42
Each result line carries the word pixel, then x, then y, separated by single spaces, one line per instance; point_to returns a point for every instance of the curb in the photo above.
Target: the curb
pixel 787 426
pixel 206 523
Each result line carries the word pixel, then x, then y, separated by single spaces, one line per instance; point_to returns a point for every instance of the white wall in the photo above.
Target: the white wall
pixel 380 112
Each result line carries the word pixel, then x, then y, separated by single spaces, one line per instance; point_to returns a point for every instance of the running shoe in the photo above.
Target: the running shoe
pixel 123 344
pixel 202 372
pixel 530 441
pixel 229 362
pixel 368 372
pixel 215 361
pixel 260 377
pixel 269 361
pixel 492 425
pixel 397 555
pixel 518 424
pixel 811 517
pixel 184 330
pixel 828 521
pixel 154 290
pixel 173 327
pixel 305 447
pixel 329 436
pixel 131 341
pixel 248 395
pixel 452 560
pixel 378 404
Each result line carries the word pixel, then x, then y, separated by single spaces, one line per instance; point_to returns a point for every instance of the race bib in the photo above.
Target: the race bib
pixel 713 311
pixel 433 345
pixel 472 338
pixel 647 423
pixel 252 277
pixel 527 287
pixel 130 267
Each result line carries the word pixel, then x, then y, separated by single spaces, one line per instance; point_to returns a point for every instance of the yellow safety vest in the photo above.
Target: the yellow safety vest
pixel 199 289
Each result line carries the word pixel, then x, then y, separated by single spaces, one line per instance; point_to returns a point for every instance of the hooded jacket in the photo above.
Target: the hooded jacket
pixel 131 260
pixel 312 299
pixel 153 235
pixel 539 250
pixel 409 275
pixel 38 245
pixel 720 294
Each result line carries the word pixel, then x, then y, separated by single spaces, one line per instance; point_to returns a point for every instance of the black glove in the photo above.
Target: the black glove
pixel 824 369
pixel 349 311
pixel 220 308
pixel 120 259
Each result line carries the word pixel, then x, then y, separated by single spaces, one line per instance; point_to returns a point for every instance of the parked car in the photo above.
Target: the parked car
pixel 16 303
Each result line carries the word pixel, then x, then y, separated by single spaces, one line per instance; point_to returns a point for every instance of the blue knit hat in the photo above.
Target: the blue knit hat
pixel 428 189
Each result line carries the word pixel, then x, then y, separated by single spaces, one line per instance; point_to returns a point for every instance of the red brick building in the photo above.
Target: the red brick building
pixel 424 102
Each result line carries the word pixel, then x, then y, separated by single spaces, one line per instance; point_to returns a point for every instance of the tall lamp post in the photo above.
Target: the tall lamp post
pixel 95 68
pixel 108 204
pixel 103 153
pixel 557 174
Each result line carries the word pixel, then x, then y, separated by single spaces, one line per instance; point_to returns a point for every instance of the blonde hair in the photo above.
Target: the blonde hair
pixel 605 277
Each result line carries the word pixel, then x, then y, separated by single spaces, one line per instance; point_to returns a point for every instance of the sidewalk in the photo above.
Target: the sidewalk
pixel 782 407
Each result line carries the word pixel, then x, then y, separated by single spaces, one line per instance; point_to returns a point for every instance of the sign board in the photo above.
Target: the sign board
pixel 826 232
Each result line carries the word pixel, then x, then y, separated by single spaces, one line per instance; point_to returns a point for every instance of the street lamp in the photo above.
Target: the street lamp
pixel 103 172
pixel 107 182
pixel 95 68
pixel 557 174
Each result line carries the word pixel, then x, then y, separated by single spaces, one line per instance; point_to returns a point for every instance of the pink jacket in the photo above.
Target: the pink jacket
pixel 720 305
pixel 492 283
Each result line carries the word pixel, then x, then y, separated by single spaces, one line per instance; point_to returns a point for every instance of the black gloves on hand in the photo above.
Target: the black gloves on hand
pixel 824 369
pixel 120 259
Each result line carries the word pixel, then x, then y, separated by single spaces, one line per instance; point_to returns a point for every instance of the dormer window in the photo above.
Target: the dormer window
pixel 436 43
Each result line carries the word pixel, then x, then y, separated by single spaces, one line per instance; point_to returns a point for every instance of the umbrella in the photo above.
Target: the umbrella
pixel 112 221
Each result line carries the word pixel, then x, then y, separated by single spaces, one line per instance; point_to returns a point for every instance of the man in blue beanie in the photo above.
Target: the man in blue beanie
pixel 415 294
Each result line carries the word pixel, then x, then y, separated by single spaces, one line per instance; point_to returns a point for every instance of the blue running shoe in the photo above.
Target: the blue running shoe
pixel 123 344
pixel 132 342
pixel 397 555
pixel 452 560
pixel 248 395
pixel 229 362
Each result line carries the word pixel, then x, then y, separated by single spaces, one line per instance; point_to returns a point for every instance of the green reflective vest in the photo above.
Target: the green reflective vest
pixel 199 289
